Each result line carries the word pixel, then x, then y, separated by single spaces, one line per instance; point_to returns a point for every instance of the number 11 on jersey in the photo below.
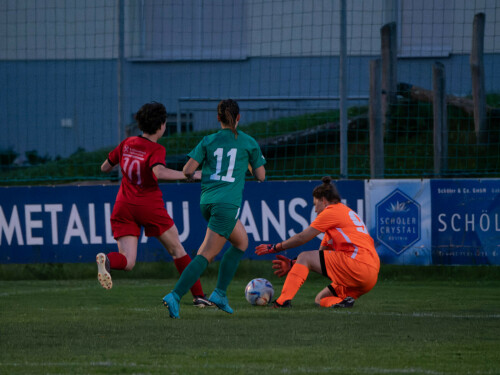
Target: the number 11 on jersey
pixel 219 154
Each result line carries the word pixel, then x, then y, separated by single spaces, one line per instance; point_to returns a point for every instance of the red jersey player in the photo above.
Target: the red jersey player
pixel 139 202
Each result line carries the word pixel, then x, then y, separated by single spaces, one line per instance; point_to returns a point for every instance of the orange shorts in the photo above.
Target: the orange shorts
pixel 350 278
pixel 127 220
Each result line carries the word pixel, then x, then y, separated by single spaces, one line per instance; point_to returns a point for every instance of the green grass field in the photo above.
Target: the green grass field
pixel 438 324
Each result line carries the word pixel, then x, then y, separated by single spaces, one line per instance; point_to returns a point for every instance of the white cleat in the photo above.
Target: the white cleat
pixel 103 269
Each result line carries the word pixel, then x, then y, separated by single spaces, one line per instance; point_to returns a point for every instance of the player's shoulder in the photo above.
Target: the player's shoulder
pixel 338 207
pixel 246 137
pixel 242 134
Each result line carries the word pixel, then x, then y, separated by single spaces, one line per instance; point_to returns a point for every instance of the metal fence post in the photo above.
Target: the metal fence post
pixel 440 119
pixel 376 127
pixel 343 91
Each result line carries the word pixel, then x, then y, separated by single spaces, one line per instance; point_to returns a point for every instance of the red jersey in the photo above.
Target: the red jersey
pixel 137 157
pixel 346 232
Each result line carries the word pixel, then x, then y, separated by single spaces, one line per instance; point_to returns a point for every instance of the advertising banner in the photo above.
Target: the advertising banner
pixel 417 222
pixel 66 224
pixel 399 220
pixel 466 221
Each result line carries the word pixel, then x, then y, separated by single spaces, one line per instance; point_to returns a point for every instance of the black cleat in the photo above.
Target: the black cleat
pixel 287 304
pixel 348 302
pixel 202 302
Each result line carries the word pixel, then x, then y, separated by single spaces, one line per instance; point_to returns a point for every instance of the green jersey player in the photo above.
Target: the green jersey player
pixel 225 157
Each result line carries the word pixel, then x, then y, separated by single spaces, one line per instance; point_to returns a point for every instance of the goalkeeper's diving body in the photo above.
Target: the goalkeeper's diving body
pixel 347 254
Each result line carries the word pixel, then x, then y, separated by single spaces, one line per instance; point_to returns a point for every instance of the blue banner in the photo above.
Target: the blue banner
pixel 412 221
pixel 466 221
pixel 67 224
pixel 399 220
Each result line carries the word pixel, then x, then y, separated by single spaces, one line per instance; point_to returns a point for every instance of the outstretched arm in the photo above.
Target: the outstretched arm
pixel 190 169
pixel 106 167
pixel 163 173
pixel 299 239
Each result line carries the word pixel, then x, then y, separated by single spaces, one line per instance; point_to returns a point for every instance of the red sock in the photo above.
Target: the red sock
pixel 180 264
pixel 296 277
pixel 117 261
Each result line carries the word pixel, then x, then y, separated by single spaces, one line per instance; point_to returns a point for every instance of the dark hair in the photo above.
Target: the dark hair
pixel 150 117
pixel 228 110
pixel 327 190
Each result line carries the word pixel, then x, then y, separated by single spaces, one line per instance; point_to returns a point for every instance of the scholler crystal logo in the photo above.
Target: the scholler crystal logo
pixel 398 221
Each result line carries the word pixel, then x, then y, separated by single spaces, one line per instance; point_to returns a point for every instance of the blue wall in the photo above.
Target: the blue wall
pixel 38 94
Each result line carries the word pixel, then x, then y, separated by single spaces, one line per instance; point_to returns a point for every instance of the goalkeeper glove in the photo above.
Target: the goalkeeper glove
pixel 282 265
pixel 268 249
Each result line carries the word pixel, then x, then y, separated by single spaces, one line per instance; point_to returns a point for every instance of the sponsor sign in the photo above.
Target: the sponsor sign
pixel 65 224
pixel 398 219
pixel 466 221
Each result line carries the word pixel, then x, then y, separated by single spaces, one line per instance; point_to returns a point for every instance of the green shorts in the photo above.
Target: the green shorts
pixel 221 217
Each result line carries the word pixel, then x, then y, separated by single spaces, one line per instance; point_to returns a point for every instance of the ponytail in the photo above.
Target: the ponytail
pixel 327 190
pixel 228 111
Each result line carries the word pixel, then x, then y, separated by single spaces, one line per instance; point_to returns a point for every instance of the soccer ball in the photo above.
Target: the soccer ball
pixel 259 292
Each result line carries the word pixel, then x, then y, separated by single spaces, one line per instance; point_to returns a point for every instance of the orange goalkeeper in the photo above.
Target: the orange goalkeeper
pixel 347 254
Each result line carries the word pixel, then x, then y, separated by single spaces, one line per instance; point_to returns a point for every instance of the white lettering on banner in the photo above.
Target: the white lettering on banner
pixel 144 239
pixel 53 209
pixel 453 217
pixel 398 220
pixel 185 222
pixel 360 210
pixel 487 219
pixel 107 223
pixel 32 224
pixel 313 216
pixel 14 225
pixel 43 220
pixel 469 222
pixel 279 225
pixel 94 239
pixel 247 216
pixel 75 227
pixel 185 219
pixel 295 216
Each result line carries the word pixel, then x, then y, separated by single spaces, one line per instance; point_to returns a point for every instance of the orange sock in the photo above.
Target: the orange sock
pixel 296 277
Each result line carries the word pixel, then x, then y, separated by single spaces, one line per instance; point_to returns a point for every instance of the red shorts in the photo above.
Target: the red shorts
pixel 127 220
pixel 350 278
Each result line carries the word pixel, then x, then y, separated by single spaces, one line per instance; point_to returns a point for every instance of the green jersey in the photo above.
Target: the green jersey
pixel 224 161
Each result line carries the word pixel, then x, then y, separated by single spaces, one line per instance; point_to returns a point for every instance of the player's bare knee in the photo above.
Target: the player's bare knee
pixel 241 245
pixel 177 251
pixel 317 300
pixel 303 258
pixel 130 265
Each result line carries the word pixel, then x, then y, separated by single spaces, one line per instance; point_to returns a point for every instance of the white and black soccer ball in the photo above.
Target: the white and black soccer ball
pixel 259 292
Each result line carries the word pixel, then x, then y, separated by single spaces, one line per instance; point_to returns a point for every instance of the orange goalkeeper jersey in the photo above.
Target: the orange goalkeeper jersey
pixel 346 232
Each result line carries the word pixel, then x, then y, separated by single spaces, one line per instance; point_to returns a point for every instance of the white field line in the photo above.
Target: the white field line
pixel 42 290
pixel 228 367
pixel 67 289
pixel 425 315
pixel 308 369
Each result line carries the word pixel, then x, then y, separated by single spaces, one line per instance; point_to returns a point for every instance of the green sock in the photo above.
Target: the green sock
pixel 190 274
pixel 228 266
